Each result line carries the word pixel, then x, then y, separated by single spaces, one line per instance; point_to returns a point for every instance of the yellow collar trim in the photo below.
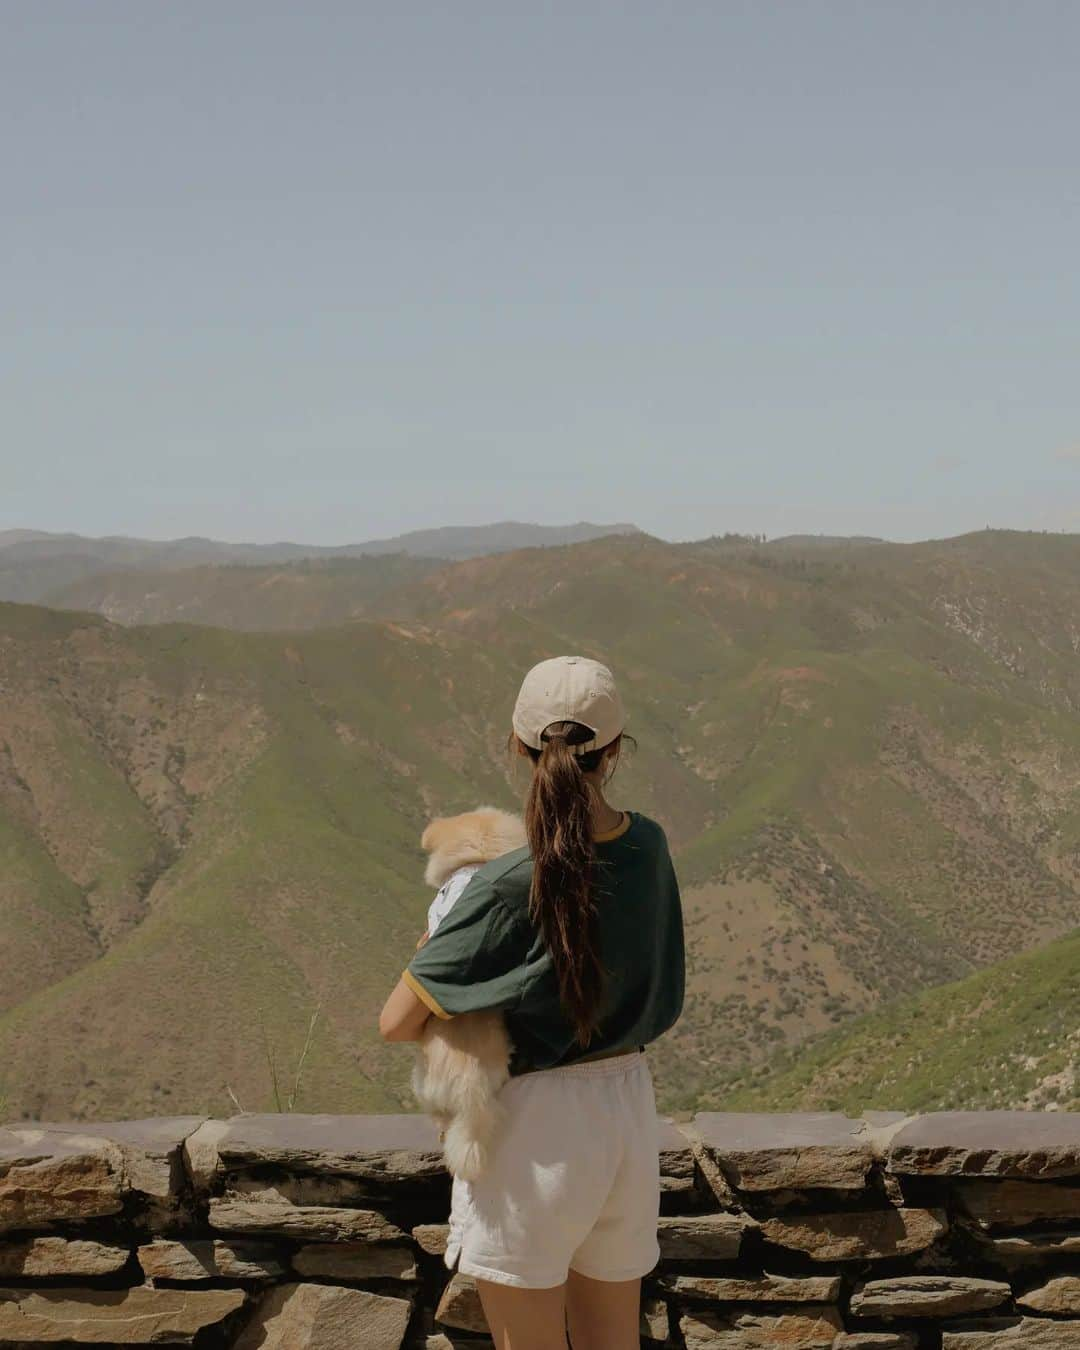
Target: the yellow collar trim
pixel 619 829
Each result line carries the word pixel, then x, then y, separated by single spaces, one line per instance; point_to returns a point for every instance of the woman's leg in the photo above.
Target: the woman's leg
pixel 603 1314
pixel 525 1319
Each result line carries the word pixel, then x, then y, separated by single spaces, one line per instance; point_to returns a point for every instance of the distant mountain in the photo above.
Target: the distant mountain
pixel 867 761
pixel 808 541
pixel 473 541
pixel 8 537
pixel 35 563
pixel 308 593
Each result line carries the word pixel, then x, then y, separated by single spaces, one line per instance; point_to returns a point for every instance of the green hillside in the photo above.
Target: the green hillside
pixel 210 832
pixel 1007 1036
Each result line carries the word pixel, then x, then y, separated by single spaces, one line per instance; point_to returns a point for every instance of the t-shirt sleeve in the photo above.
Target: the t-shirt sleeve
pixel 475 959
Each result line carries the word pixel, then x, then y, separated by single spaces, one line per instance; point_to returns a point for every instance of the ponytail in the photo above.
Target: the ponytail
pixel 558 824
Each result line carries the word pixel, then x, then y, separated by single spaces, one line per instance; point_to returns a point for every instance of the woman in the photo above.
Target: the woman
pixel 578 938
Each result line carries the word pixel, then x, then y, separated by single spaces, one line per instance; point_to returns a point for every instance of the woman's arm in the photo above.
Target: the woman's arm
pixel 403 1016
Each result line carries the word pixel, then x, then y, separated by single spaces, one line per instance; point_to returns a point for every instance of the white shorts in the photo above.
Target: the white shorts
pixel 573 1182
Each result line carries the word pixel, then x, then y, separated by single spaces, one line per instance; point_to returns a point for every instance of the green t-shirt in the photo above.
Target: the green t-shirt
pixel 487 953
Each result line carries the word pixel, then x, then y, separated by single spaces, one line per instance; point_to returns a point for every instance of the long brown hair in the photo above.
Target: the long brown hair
pixel 562 898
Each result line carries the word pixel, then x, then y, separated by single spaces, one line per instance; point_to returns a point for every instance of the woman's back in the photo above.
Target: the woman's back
pixel 488 953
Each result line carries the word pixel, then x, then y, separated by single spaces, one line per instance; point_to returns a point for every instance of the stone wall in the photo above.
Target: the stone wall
pixel 958 1230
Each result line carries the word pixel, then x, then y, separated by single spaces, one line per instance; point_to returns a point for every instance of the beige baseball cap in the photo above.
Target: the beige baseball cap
pixel 571 689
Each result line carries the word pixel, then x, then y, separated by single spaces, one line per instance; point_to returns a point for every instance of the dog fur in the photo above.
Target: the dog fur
pixel 473 837
pixel 463 1061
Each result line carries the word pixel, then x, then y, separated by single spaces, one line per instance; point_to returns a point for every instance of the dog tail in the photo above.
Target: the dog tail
pixel 467 1146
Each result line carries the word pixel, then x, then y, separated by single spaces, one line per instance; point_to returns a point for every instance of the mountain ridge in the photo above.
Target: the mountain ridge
pixel 207 830
pixel 34 563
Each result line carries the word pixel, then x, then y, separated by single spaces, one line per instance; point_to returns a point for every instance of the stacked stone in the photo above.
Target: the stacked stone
pixel 951 1231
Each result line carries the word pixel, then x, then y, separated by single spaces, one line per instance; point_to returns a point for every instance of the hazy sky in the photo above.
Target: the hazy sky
pixel 329 271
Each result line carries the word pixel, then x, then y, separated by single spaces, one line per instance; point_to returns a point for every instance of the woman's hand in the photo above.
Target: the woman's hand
pixel 423 938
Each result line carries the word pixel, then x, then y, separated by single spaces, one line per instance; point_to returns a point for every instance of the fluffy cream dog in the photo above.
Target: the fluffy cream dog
pixel 462 1061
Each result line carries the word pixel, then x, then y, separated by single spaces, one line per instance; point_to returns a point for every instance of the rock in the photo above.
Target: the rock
pixel 763 1151
pixel 53 1171
pixel 389 1147
pixel 677 1194
pixel 305 1189
pixel 893 1190
pixel 207 1259
pixel 1013 1333
pixel 325 1317
pixel 356 1261
pixel 715 1237
pixel 744 1330
pixel 874 1340
pixel 851 1235
pixel 60 1256
pixel 754 1288
pixel 78 1185
pixel 1059 1295
pixel 1013 1204
pixel 200 1155
pixel 432 1237
pixel 152 1150
pixel 654 1319
pixel 1031 1246
pixel 709 1170
pixel 138 1316
pixel 926 1296
pixel 676 1155
pixel 460 1305
pixel 314 1222
pixel 989 1143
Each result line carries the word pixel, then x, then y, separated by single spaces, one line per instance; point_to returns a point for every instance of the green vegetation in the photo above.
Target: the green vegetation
pixel 1007 1036
pixel 866 756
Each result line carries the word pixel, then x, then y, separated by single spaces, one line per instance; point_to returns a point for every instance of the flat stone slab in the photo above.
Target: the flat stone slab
pixel 754 1289
pixel 1059 1295
pixel 653 1324
pixel 927 1296
pixel 706 1237
pixel 54 1171
pixel 382 1148
pixel 988 1143
pixel 762 1151
pixel 356 1261
pixel 676 1157
pixel 150 1147
pixel 200 1259
pixel 307 1188
pixel 460 1305
pixel 874 1340
pixel 325 1317
pixel 1013 1333
pixel 1014 1204
pixel 432 1237
pixel 315 1222
pixel 856 1235
pixel 137 1316
pixel 1032 1246
pixel 78 1183
pixel 42 1256
pixel 746 1330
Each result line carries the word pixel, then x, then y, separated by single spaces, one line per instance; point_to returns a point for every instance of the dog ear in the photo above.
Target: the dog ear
pixel 433 835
